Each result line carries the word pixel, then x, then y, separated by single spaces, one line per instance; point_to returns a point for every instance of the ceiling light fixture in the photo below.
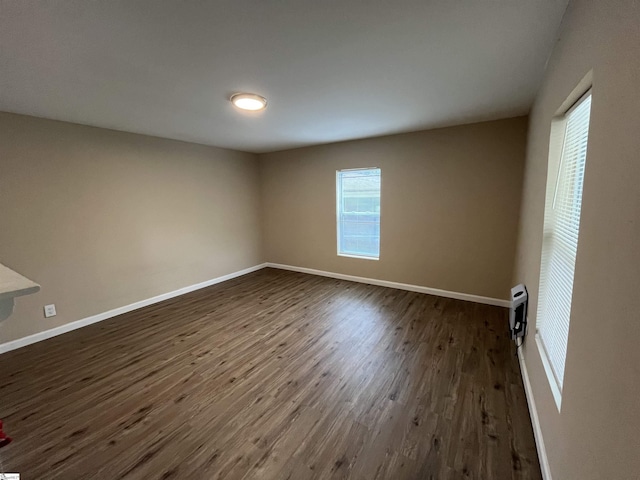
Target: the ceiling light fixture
pixel 249 101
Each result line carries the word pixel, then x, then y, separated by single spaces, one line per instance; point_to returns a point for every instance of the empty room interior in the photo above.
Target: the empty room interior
pixel 262 239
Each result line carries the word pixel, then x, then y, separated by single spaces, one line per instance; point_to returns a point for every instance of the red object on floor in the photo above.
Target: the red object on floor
pixel 4 440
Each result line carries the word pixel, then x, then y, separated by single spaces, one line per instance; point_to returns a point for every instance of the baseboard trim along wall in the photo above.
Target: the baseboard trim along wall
pixel 38 337
pixel 535 421
pixel 401 286
pixel 67 327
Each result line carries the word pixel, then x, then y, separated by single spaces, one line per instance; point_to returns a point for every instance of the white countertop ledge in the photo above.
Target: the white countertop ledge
pixel 12 284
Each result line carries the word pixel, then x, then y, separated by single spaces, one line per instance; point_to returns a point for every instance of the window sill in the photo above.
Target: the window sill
pixel 362 257
pixel 555 389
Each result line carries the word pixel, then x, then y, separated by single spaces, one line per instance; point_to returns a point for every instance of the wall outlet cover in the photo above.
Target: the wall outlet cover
pixel 49 310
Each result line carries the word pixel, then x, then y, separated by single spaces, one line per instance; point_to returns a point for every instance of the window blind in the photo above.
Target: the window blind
pixel 560 240
pixel 358 212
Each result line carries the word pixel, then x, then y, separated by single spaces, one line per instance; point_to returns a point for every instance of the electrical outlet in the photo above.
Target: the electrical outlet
pixel 49 310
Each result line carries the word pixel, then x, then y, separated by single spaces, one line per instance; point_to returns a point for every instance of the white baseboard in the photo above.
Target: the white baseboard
pixel 401 286
pixel 37 337
pixel 535 421
pixel 67 327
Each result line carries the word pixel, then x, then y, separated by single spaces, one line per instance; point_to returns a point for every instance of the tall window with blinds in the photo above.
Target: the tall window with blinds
pixel 358 212
pixel 560 240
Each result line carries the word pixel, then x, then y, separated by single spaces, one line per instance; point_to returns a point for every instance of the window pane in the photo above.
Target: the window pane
pixel 560 241
pixel 358 212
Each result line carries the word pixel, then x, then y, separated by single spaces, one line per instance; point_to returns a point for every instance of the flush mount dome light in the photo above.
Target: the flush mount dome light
pixel 249 101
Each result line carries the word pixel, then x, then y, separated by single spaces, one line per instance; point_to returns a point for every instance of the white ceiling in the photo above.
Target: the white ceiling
pixel 331 69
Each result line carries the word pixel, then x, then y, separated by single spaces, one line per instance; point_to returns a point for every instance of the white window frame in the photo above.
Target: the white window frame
pixel 338 198
pixel 556 155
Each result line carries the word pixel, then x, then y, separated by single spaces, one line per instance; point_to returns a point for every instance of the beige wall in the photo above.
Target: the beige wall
pixel 102 219
pixel 450 202
pixel 597 434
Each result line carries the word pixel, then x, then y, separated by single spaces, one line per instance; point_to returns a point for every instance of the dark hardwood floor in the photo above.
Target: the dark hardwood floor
pixel 274 375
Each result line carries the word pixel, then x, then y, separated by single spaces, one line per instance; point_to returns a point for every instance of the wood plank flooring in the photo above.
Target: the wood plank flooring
pixel 274 375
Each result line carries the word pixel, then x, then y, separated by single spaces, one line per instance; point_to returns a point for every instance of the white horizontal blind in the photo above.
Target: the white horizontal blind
pixel 560 241
pixel 358 212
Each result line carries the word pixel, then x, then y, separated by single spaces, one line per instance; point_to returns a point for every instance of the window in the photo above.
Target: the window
pixel 560 239
pixel 358 212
